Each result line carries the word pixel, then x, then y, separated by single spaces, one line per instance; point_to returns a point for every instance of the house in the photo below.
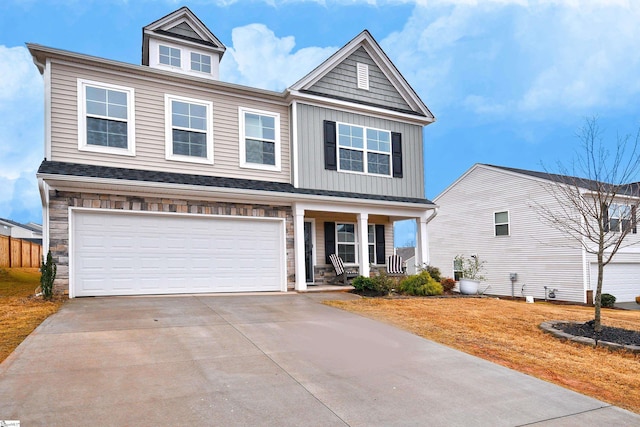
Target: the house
pixel 29 231
pixel 160 178
pixel 408 255
pixel 493 212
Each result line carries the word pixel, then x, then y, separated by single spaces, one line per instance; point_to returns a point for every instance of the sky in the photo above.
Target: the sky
pixel 509 81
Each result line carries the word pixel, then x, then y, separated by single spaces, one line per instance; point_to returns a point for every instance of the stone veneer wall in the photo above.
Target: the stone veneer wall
pixel 326 274
pixel 59 203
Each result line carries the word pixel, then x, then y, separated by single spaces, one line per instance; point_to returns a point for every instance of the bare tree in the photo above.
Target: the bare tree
pixel 597 197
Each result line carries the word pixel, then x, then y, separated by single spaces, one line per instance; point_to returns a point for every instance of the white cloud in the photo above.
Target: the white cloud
pixel 21 134
pixel 260 59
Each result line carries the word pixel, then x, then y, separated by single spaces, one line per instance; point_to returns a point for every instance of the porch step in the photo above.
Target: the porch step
pixel 327 288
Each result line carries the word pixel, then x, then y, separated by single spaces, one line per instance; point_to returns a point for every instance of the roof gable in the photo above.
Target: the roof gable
pixel 388 89
pixel 183 26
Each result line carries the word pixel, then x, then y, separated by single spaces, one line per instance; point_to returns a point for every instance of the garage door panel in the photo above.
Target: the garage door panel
pixel 621 280
pixel 129 254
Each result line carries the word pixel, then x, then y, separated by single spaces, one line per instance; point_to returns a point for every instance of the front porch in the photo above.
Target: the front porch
pixel 361 234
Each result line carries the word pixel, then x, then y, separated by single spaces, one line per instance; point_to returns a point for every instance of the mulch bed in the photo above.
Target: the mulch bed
pixel 610 334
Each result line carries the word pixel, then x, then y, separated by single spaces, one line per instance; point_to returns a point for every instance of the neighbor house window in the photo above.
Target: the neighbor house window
pixel 372 243
pixel 200 62
pixel 346 242
pixel 259 139
pixel 365 150
pixel 169 56
pixel 105 118
pixel 457 269
pixel 620 217
pixel 189 136
pixel 501 223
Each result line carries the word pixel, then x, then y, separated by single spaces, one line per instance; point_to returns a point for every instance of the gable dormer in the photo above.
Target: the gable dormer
pixel 181 43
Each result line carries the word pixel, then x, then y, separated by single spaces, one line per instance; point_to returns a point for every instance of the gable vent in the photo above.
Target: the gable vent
pixel 363 76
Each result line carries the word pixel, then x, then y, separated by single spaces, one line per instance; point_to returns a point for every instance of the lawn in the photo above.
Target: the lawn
pixel 21 312
pixel 506 332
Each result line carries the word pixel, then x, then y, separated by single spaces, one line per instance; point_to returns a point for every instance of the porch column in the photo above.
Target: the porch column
pixel 422 241
pixel 363 247
pixel 298 241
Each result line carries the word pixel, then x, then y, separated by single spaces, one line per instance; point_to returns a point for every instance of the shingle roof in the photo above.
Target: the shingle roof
pixel 17 224
pixel 107 172
pixel 589 184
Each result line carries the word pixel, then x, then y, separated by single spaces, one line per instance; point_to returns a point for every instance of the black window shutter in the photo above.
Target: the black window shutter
pixel 330 148
pixel 605 217
pixel 329 240
pixel 380 244
pixel 634 230
pixel 396 154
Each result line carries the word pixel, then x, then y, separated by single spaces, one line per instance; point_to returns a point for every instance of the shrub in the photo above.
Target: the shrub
pixel 607 300
pixel 434 272
pixel 383 283
pixel 48 272
pixel 420 285
pixel 362 283
pixel 447 285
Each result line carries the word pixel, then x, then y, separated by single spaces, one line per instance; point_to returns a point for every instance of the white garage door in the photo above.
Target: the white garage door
pixel 141 254
pixel 622 280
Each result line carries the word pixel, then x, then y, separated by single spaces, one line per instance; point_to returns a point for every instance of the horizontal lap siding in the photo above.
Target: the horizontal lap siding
pixel 312 173
pixel 538 253
pixel 149 121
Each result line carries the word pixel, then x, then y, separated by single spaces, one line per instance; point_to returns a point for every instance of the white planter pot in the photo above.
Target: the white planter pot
pixel 468 286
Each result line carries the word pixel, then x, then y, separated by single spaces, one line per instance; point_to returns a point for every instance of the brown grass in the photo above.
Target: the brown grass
pixel 20 311
pixel 506 332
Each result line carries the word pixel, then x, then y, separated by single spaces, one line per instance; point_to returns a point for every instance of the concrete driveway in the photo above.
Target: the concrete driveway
pixel 281 360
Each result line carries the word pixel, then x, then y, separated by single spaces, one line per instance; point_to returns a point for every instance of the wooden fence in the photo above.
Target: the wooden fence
pixel 19 253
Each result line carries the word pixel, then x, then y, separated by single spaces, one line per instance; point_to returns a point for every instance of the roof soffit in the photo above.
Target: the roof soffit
pixel 373 49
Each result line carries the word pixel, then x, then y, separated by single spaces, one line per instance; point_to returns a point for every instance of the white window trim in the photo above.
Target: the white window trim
pixel 617 210
pixel 168 130
pixel 82 119
pixel 508 223
pixel 208 73
pixel 185 59
pixel 179 49
pixel 375 243
pixel 243 162
pixel 362 76
pixel 365 151
pixel 355 242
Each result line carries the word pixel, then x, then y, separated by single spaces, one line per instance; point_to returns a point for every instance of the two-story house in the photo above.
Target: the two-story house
pixel 497 214
pixel 159 178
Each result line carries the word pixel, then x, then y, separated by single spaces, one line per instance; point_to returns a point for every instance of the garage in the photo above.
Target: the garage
pixel 622 280
pixel 125 253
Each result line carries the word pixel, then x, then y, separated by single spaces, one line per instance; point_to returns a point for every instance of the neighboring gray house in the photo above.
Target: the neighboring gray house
pixel 490 211
pixel 159 178
pixel 29 231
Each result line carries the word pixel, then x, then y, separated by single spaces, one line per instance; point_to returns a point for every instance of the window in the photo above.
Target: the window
pixel 105 118
pixel 620 217
pixel 362 71
pixel 200 62
pixel 364 149
pixel 346 242
pixel 259 139
pixel 501 222
pixel 169 56
pixel 372 243
pixel 457 269
pixel 189 136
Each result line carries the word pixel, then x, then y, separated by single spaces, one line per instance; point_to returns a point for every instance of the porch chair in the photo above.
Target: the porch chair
pixel 395 266
pixel 338 266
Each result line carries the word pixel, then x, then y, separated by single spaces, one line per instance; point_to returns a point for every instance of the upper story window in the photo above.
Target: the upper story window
pixel 189 133
pixel 364 150
pixel 169 55
pixel 621 217
pixel 259 139
pixel 105 118
pixel 501 223
pixel 200 62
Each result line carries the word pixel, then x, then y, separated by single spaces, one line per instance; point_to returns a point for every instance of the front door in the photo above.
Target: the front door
pixel 308 251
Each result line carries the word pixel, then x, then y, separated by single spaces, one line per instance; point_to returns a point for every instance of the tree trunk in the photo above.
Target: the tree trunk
pixel 597 325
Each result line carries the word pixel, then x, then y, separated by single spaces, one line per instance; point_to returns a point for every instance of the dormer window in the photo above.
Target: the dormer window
pixel 200 63
pixel 169 56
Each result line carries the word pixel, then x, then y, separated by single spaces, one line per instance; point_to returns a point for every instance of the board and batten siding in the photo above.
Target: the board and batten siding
pixel 342 81
pixel 312 174
pixel 538 253
pixel 150 124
